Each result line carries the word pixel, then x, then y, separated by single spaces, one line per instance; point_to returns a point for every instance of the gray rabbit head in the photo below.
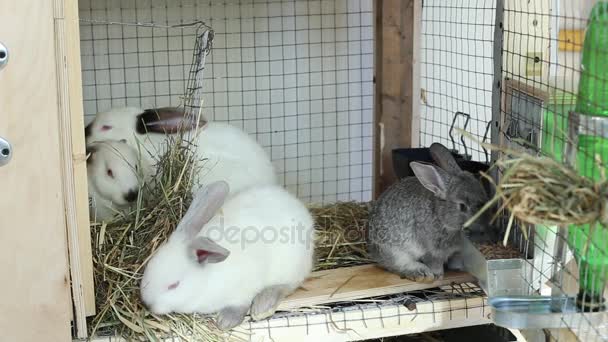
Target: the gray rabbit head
pixel 459 193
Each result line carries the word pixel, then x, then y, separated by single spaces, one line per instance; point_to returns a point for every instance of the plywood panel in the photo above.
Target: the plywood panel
pixel 35 303
pixel 350 283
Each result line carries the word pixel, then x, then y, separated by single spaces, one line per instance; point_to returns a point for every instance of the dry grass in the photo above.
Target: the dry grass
pixel 340 234
pixel 122 247
pixel 541 190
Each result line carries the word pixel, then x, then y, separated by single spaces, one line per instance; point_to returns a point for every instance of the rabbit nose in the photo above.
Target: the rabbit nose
pixel 131 196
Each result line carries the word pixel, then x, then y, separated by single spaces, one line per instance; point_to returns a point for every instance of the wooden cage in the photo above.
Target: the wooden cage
pixel 44 215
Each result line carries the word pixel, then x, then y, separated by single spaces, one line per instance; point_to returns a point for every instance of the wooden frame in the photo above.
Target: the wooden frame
pixel 67 50
pixel 397 76
pixel 40 208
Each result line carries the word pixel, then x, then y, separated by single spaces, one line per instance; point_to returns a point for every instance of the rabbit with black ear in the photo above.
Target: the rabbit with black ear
pixel 243 258
pixel 114 171
pixel 229 153
pixel 416 225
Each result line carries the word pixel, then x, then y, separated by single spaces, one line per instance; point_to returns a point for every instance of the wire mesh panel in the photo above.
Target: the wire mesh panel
pixel 545 61
pixel 457 71
pixel 554 91
pixel 298 75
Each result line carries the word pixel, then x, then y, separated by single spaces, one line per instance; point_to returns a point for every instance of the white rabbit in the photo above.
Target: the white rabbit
pixel 230 154
pixel 113 177
pixel 251 253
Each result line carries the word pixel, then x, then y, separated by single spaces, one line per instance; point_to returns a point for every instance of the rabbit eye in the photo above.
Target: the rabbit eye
pixel 110 173
pixel 173 286
pixel 462 207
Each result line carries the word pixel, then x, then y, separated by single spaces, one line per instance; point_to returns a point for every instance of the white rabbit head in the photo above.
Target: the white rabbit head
pixel 127 122
pixel 172 276
pixel 112 170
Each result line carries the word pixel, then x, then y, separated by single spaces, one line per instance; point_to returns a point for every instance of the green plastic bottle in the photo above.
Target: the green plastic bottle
pixel 592 100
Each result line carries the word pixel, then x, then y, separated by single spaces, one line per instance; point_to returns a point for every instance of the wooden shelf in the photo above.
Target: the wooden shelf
pixel 356 284
pixel 351 283
pixel 376 322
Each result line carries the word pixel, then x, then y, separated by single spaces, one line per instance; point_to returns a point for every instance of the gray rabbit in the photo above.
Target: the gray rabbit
pixel 416 225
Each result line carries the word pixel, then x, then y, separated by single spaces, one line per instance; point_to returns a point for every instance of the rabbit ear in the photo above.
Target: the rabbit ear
pixel 432 178
pixel 167 120
pixel 207 201
pixel 207 251
pixel 442 156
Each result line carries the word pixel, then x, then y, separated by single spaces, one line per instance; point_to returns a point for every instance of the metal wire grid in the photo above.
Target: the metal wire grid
pixel 539 92
pixel 338 316
pixel 296 74
pixel 335 316
pixel 456 72
pixel 537 79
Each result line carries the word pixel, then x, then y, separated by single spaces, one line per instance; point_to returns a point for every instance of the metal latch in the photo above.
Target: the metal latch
pixel 3 55
pixel 6 152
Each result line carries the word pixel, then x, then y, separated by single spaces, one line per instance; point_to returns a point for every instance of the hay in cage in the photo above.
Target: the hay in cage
pixel 122 247
pixel 340 234
pixel 544 191
pixel 541 190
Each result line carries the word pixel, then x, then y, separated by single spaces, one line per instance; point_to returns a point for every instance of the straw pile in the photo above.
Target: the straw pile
pixel 340 234
pixel 544 191
pixel 121 249
pixel 541 190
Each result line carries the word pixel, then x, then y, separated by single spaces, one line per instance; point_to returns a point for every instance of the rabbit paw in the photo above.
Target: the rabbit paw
pixel 422 275
pixel 265 303
pixel 230 317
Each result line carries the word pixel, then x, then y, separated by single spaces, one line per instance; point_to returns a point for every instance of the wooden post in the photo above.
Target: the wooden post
pixel 73 158
pixel 397 78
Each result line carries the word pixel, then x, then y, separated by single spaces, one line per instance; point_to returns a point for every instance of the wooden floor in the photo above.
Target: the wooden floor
pixel 356 284
pixel 350 283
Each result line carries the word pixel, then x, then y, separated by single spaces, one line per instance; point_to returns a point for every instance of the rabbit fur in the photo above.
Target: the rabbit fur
pixel 206 268
pixel 114 174
pixel 227 152
pixel 416 225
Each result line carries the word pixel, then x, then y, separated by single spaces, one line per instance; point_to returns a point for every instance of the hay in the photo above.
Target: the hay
pixel 540 190
pixel 543 191
pixel 340 229
pixel 122 247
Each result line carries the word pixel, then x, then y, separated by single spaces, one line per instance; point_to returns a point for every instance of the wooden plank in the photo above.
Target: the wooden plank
pixel 351 283
pixel 35 285
pixel 561 335
pixel 397 77
pixel 361 324
pixel 529 335
pixel 571 40
pixel 71 121
pixel 377 322
pixel 81 193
